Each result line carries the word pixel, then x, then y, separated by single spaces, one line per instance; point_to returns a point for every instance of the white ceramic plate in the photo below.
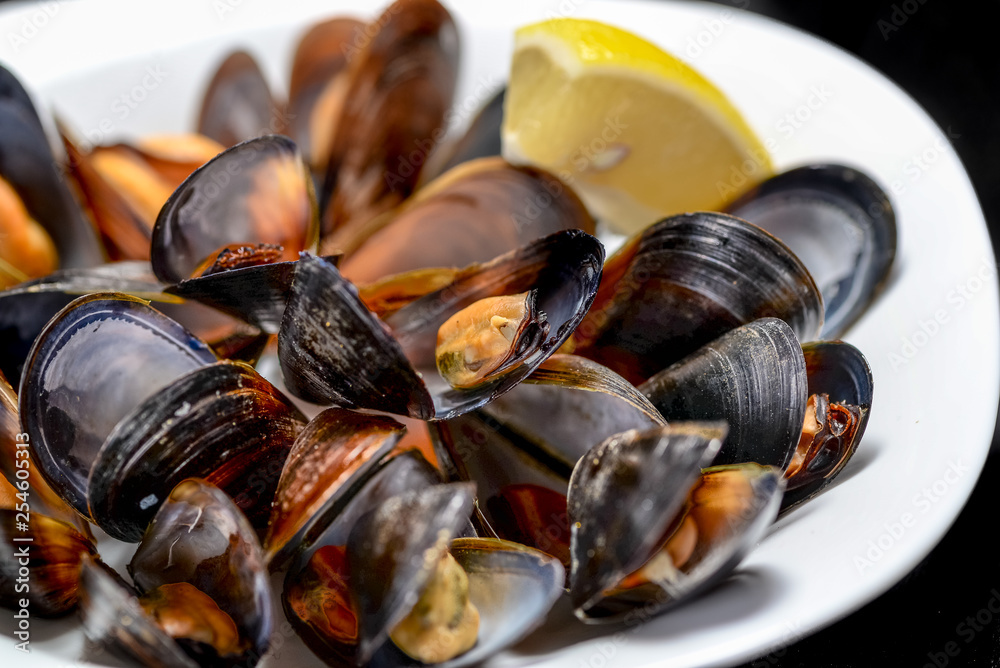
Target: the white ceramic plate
pixel 115 68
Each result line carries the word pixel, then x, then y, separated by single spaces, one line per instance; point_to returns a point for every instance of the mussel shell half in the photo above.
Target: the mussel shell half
pixel 839 370
pixel 54 551
pixel 712 561
pixel 27 163
pixel 237 105
pixel 754 378
pixel 842 226
pixel 512 587
pixel 400 88
pixel 222 422
pixel 255 294
pixel 334 350
pixel 473 213
pixel 624 494
pixel 93 363
pixel 331 458
pixel 393 550
pixel 200 537
pixel 685 281
pixel 113 618
pixel 256 192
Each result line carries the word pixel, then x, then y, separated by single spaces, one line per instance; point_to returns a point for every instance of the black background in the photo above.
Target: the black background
pixel 945 54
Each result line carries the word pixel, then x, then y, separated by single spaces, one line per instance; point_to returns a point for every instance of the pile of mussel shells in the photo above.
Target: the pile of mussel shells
pixel 317 363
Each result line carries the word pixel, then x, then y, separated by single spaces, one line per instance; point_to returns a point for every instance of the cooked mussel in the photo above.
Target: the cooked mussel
pixel 40 562
pixel 334 350
pixel 201 595
pixel 685 281
pixel 237 104
pixel 257 192
pixel 399 88
pixel 28 166
pixel 472 213
pixel 650 527
pixel 840 389
pixel 842 226
pixel 753 377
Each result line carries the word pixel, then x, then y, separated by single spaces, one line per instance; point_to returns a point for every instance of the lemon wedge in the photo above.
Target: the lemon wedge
pixel 635 131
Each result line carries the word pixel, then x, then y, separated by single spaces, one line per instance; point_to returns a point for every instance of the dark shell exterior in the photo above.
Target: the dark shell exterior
pixel 842 226
pixel 80 380
pixel 684 282
pixel 257 192
pixel 237 105
pixel 222 422
pixel 754 378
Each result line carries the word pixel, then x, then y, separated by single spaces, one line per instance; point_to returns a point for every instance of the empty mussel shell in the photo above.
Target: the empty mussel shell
pixel 840 389
pixel 331 458
pixel 521 459
pixel 754 378
pixel 257 192
pixel 842 226
pixel 81 379
pixel 685 281
pixel 334 350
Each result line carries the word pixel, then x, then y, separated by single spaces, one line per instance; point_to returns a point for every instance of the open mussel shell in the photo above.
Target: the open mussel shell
pixel 334 350
pixel 27 163
pixel 330 459
pixel 222 422
pixel 512 586
pixel 113 618
pixel 685 281
pixel 521 459
pixel 623 496
pixel 839 371
pixel 318 83
pixel 473 213
pixel 81 379
pixel 400 88
pixel 201 538
pixel 237 105
pixel 258 192
pixel 633 495
pixel 842 226
pixel 392 552
pixel 754 378
pixel 46 556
